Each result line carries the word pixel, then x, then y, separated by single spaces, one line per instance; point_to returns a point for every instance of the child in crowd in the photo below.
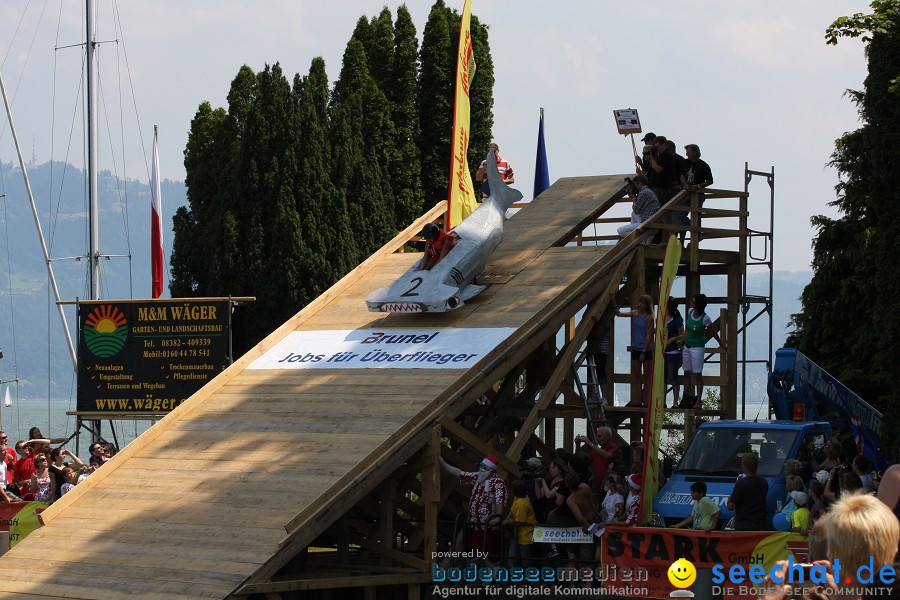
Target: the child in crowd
pixel 792 483
pixel 705 513
pixel 521 516
pixel 800 516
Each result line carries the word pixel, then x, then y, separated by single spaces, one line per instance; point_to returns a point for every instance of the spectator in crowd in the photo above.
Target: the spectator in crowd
pixel 38 442
pixel 71 480
pixel 485 505
pixel 503 167
pixel 705 513
pixel 556 473
pixel 24 468
pixel 642 326
pixel 584 509
pixel 818 541
pixel 861 529
pixel 58 467
pixel 532 475
pixel 602 454
pixel 862 466
pixel 832 457
pixel 94 462
pixel 661 174
pixel 644 205
pixel 695 176
pixel 437 244
pixel 580 463
pixel 840 482
pixel 673 352
pixel 613 504
pixel 799 518
pixel 748 498
pixel 7 465
pixel 792 483
pixel 817 503
pixel 889 489
pixel 522 518
pixel 597 350
pixel 697 326
pixel 41 484
pixel 643 162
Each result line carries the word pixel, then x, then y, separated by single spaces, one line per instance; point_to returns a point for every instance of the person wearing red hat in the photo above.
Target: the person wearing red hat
pixel 485 506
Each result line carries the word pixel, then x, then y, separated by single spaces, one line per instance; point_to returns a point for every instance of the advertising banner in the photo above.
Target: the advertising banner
pixel 148 356
pixel 20 519
pixel 382 349
pixel 734 563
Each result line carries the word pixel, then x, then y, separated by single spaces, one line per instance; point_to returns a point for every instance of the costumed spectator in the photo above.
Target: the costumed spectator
pixel 800 517
pixel 602 454
pixel 522 518
pixel 503 167
pixel 633 502
pixel 705 513
pixel 697 326
pixel 641 346
pixel 748 498
pixel 485 505
pixel 41 484
pixel 674 338
pixel 643 206
pixel 696 176
pixel 437 244
pixel 862 466
pixel 597 350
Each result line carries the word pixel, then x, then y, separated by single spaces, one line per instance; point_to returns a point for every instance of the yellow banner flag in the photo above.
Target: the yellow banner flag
pixel 461 199
pixel 658 390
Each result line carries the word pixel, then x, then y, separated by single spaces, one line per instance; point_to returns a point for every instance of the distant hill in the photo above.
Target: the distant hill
pixel 25 299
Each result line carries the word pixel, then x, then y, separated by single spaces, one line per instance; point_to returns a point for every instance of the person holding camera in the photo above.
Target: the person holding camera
pixel 644 204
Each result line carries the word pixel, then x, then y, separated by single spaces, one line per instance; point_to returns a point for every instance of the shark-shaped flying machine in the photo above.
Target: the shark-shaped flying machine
pixel 448 285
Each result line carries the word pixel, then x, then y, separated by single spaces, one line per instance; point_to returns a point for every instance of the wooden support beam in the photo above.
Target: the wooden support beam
pixel 331 583
pixel 474 442
pixel 431 491
pixel 591 313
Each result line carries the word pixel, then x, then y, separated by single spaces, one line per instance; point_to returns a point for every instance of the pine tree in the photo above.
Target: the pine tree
pixel 849 306
pixel 438 70
pixel 405 175
pixel 481 122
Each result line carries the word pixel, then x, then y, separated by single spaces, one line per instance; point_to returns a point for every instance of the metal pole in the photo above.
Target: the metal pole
pixel 37 223
pixel 92 154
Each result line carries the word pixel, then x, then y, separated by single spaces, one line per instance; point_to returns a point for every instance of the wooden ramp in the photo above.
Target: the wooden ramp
pixel 230 489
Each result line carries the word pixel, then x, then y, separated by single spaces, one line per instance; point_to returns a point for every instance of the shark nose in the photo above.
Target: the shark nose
pixel 452 302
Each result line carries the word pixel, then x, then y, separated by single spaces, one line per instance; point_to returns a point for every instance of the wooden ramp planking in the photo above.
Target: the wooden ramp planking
pixel 201 501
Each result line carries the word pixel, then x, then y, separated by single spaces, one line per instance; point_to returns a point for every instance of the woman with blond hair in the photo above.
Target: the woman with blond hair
pixel 642 327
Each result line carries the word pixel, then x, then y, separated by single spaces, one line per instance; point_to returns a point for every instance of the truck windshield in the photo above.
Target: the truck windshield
pixel 718 451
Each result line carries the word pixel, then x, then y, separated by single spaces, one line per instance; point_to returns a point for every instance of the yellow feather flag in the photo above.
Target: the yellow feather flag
pixel 658 390
pixel 461 196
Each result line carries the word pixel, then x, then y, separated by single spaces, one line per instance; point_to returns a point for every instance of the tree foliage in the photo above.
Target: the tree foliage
pixel 849 307
pixel 295 182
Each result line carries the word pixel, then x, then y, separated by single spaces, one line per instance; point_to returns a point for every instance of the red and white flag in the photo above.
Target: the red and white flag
pixel 156 241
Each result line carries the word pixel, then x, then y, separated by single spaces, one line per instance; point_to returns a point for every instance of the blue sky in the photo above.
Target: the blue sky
pixel 749 82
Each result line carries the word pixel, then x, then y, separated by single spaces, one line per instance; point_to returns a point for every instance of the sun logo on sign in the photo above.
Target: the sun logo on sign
pixel 105 331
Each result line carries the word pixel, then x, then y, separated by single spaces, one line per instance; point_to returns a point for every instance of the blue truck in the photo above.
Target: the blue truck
pixel 810 407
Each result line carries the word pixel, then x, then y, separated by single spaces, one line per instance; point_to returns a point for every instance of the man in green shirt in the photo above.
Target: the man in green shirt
pixel 705 514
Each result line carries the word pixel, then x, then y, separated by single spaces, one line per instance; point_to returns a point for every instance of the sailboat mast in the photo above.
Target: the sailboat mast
pixel 92 154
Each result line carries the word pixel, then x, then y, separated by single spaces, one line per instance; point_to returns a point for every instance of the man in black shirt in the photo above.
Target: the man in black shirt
pixel 748 499
pixel 696 176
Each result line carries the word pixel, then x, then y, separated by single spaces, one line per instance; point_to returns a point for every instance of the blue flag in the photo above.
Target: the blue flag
pixel 541 171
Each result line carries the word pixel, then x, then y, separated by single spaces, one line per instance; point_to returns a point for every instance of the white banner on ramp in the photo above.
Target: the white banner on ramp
pixel 382 349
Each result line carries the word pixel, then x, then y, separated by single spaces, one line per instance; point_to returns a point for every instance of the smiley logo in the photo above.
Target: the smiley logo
pixel 682 573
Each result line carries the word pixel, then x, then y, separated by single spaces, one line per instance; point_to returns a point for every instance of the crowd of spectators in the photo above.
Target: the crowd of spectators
pixel 33 471
pixel 662 173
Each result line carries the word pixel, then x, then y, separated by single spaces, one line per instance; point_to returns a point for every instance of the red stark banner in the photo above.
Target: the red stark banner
pixel 731 563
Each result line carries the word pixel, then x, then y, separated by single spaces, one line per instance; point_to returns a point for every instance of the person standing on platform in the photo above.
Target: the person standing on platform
pixel 506 171
pixel 641 346
pixel 485 506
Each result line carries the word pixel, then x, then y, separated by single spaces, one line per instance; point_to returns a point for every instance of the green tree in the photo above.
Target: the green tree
pixel 849 306
pixel 437 72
